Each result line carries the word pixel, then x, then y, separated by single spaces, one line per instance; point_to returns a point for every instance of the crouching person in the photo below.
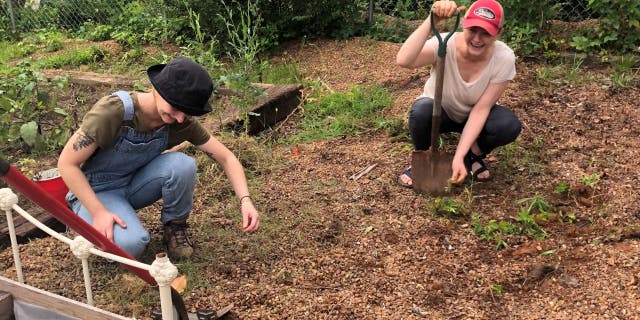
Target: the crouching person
pixel 114 163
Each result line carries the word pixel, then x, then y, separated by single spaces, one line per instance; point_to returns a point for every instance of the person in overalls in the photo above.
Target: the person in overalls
pixel 115 162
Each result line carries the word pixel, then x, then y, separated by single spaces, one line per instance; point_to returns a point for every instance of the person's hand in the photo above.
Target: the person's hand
pixel 103 222
pixel 444 9
pixel 459 171
pixel 250 216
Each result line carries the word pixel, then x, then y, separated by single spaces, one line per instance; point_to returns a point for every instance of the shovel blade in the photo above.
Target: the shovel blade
pixel 430 172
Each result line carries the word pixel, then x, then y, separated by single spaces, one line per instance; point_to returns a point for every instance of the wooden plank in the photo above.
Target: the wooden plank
pixel 280 101
pixel 6 306
pixel 25 229
pixel 28 294
pixel 277 102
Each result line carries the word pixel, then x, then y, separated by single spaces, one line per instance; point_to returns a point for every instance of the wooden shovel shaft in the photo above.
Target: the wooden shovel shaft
pixel 437 104
pixel 440 58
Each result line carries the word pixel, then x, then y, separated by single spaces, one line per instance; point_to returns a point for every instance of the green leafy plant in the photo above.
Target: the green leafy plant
pixel 619 21
pixel 448 207
pixel 142 23
pixel 390 29
pixel 624 73
pixel 531 209
pixel 494 231
pixel 590 180
pixel 28 107
pixel 563 189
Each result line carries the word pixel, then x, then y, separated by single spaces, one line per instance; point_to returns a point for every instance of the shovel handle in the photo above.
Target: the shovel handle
pixel 442 48
pixel 437 99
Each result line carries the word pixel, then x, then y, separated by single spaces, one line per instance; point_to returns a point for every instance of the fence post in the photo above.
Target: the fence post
pixel 370 13
pixel 7 200
pixel 11 15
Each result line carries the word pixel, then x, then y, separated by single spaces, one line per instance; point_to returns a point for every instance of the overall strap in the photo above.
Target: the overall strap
pixel 128 104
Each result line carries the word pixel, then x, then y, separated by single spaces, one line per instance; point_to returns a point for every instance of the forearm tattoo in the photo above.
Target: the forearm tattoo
pixel 82 141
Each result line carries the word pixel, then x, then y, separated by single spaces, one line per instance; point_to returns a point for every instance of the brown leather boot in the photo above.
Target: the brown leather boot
pixel 177 240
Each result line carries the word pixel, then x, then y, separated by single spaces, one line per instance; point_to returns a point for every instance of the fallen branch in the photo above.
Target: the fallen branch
pixel 358 175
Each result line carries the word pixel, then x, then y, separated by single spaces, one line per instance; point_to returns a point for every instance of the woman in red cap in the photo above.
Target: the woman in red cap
pixel 116 163
pixel 478 69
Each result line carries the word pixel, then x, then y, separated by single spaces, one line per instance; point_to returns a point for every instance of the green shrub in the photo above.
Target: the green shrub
pixel 619 22
pixel 29 112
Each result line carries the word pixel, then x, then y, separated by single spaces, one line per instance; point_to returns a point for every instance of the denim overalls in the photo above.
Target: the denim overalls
pixel 134 173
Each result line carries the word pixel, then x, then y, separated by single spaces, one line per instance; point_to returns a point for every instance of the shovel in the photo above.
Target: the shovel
pixel 431 169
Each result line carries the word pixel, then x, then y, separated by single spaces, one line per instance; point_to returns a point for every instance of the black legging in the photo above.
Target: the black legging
pixel 502 126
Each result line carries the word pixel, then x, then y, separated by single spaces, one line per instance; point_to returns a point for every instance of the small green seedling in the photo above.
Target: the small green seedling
pixel 563 189
pixel 591 180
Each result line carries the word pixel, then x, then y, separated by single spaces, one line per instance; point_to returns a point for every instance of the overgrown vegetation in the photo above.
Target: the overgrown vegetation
pixel 31 118
pixel 343 113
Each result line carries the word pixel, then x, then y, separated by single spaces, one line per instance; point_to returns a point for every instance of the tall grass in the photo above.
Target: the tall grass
pixel 344 113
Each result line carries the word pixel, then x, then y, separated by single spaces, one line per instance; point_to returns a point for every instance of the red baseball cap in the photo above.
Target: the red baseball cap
pixel 486 14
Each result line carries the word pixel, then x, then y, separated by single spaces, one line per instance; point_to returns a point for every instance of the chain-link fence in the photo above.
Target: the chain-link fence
pixel 571 10
pixel 29 15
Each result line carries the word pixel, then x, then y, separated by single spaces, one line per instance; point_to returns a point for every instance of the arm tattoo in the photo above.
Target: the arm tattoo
pixel 82 141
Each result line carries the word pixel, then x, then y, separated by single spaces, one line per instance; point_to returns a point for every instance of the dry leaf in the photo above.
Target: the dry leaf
pixel 179 283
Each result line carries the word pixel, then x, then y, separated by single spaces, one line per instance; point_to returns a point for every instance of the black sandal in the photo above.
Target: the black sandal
pixel 406 172
pixel 472 158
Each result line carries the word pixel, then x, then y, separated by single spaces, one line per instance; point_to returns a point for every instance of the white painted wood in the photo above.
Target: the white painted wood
pixel 29 294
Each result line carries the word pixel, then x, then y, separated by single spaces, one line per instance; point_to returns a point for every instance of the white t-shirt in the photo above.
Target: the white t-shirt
pixel 459 96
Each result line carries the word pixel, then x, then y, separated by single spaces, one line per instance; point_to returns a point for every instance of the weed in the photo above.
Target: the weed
pixel 563 189
pixel 530 210
pixel 548 252
pixel 590 180
pixel 84 56
pixel 565 72
pixel 623 74
pixel 496 288
pixel 448 207
pixel 369 229
pixel 29 108
pixel 341 114
pixel 568 217
pixel 246 45
pixel 494 231
pixel 281 74
pixel 245 42
pixel 202 49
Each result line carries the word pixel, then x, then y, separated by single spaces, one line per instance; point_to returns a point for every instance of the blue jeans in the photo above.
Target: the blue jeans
pixel 169 176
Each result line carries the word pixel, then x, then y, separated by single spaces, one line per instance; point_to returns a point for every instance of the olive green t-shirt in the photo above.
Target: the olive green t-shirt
pixel 105 118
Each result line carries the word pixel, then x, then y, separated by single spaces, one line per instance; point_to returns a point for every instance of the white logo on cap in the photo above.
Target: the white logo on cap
pixel 484 13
